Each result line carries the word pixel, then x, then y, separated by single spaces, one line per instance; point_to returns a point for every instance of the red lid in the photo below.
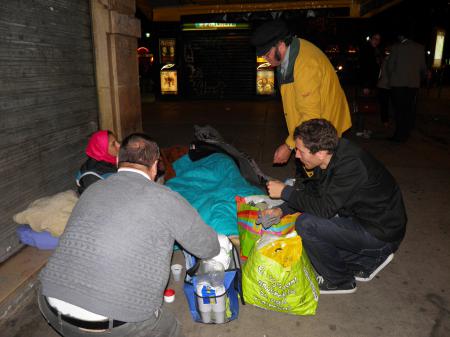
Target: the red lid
pixel 169 292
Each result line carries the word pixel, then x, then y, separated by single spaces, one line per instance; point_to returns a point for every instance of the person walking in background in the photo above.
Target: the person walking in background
pixel 370 60
pixel 369 70
pixel 406 68
pixel 308 82
pixel 383 88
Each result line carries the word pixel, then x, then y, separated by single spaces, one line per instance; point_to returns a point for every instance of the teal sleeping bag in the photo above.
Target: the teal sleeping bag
pixel 211 185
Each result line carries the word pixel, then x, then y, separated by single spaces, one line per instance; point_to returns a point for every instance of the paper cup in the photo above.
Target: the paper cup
pixel 219 317
pixel 176 271
pixel 205 316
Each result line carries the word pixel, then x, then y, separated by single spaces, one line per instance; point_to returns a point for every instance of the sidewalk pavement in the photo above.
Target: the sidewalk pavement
pixel 410 297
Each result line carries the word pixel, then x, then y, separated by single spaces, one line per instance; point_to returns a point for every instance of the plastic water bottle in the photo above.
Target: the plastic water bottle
pixel 211 291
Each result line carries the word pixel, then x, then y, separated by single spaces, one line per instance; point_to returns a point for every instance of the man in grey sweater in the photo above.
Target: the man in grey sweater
pixel 112 264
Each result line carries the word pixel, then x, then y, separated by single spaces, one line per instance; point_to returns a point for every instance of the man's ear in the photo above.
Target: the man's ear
pixel 153 170
pixel 322 154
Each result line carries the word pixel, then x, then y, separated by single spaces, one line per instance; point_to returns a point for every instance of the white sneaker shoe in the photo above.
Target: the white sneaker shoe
pixel 366 277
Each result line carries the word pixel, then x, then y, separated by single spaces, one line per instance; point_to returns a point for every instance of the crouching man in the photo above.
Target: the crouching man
pixel 108 274
pixel 353 213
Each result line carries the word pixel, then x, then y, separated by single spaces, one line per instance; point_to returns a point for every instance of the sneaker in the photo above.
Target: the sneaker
pixel 363 276
pixel 328 288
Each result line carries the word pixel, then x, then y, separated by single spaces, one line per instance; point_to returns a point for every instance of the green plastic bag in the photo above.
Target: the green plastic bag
pixel 278 276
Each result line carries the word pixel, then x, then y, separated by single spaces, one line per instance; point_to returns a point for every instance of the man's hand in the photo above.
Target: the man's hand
pixel 275 187
pixel 282 154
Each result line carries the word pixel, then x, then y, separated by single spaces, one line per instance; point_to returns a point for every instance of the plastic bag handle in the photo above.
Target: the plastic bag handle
pixel 238 279
pixel 191 271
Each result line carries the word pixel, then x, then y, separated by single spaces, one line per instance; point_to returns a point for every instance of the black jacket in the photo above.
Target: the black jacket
pixel 355 185
pixel 101 168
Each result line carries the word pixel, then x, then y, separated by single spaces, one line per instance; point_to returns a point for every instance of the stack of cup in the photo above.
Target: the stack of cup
pixel 204 302
pixel 176 271
pixel 218 308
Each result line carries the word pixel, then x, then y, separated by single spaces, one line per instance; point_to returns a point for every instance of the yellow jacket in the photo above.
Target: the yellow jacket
pixel 311 89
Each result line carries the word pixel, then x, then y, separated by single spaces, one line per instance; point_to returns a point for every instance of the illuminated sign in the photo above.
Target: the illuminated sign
pixel 166 51
pixel 260 59
pixel 438 48
pixel 265 82
pixel 169 84
pixel 143 50
pixel 214 26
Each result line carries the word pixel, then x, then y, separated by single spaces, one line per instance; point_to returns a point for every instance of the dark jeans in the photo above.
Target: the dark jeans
pixel 165 325
pixel 384 99
pixel 403 101
pixel 340 247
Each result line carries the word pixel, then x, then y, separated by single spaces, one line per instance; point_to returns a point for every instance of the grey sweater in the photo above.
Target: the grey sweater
pixel 114 256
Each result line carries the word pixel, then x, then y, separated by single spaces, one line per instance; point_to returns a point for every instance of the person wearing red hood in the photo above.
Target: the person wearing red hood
pixel 102 151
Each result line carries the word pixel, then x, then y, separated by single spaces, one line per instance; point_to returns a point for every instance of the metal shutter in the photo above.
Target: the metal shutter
pixel 218 65
pixel 48 102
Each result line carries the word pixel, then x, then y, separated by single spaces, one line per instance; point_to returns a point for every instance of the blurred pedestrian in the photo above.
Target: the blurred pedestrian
pixel 406 68
pixel 369 70
pixel 383 90
pixel 370 61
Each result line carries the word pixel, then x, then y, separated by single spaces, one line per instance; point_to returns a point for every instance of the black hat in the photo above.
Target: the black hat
pixel 267 35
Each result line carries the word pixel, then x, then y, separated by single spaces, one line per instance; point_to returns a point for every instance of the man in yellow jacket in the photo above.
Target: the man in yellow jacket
pixel 308 82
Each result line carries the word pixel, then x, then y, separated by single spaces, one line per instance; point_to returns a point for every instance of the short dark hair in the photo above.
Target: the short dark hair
pixel 317 135
pixel 139 148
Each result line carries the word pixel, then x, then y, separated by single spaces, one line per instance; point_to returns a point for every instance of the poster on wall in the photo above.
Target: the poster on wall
pixel 169 84
pixel 265 77
pixel 167 51
pixel 265 82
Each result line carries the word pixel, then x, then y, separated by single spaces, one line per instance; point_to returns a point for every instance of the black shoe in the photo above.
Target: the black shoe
pixel 328 288
pixel 364 276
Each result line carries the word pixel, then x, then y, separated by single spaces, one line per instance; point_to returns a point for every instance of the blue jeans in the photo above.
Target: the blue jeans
pixel 340 247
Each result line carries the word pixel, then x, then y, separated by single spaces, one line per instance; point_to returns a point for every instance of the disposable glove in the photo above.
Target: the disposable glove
pixel 267 220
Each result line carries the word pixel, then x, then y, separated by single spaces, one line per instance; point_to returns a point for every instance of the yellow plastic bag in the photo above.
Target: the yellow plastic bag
pixel 278 276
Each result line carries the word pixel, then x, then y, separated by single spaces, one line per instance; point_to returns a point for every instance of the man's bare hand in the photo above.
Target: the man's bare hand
pixel 275 187
pixel 282 154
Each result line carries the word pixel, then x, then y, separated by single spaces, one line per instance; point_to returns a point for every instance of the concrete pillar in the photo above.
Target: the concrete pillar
pixel 115 31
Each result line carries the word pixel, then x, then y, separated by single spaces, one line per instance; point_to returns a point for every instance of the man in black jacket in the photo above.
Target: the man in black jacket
pixel 353 213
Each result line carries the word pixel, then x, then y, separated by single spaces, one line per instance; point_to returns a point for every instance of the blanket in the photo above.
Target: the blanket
pixel 210 185
pixel 49 213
